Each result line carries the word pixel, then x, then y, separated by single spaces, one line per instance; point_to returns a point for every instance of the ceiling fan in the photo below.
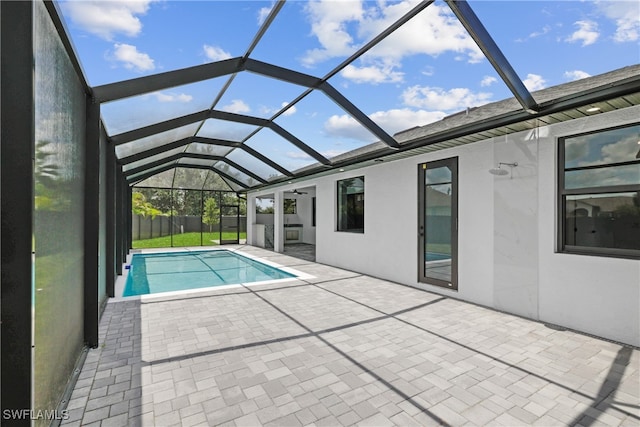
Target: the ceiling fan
pixel 297 192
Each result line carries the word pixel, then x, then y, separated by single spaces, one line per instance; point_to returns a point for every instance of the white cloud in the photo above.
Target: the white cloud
pixel 265 110
pixel 428 71
pixel 346 127
pixel 340 30
pixel 332 153
pixel 329 26
pixel 625 14
pixel 487 81
pixel 576 75
pixel 620 151
pixel 372 74
pixel 215 53
pixel 172 97
pixel 297 155
pixel 237 106
pixel 435 98
pixel 131 58
pixel 545 30
pixel 397 120
pixel 107 18
pixel 291 111
pixel 263 13
pixel 587 33
pixel 432 32
pixel 392 121
pixel 534 82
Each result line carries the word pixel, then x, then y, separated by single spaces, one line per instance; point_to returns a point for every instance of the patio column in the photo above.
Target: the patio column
pixel 278 221
pixel 18 151
pixel 92 224
pixel 251 219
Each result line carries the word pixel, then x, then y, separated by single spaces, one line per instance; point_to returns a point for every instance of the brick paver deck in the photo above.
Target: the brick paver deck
pixel 345 349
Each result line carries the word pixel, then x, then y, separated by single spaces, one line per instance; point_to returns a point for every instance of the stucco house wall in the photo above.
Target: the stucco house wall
pixel 506 233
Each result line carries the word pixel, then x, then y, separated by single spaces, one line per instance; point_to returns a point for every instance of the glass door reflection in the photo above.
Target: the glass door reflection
pixel 438 221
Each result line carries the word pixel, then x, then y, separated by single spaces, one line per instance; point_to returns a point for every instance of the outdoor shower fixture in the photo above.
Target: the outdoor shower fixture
pixel 500 171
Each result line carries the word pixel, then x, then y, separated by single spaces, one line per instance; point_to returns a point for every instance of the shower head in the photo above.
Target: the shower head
pixel 498 171
pixel 501 172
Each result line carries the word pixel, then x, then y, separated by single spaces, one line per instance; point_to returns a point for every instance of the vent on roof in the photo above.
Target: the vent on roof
pixel 460 113
pixel 406 130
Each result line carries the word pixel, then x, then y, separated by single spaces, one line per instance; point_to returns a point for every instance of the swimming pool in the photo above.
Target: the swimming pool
pixel 177 271
pixel 435 256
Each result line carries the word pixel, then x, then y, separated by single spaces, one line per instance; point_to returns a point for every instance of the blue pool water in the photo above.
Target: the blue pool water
pixel 165 272
pixel 434 256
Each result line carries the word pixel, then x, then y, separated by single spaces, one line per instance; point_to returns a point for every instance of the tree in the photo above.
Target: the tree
pixel 49 186
pixel 141 207
pixel 211 213
pixel 232 199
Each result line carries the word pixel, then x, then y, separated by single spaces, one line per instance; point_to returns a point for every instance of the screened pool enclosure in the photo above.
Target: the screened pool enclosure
pixel 93 165
pixel 170 217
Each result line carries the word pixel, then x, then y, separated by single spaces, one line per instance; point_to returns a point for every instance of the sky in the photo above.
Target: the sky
pixel 426 70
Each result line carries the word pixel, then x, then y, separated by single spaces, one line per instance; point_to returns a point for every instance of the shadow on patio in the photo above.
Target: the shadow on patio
pixel 344 349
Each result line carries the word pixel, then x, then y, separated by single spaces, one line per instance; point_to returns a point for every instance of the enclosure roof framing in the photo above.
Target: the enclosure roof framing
pixel 262 145
pixel 492 52
pixel 199 156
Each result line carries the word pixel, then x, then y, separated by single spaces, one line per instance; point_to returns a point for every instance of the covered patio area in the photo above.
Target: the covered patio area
pixel 338 350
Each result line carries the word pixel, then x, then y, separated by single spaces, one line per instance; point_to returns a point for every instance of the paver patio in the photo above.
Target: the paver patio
pixel 345 349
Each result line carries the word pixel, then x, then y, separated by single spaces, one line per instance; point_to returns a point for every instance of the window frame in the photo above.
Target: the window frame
pixel 563 193
pixel 338 205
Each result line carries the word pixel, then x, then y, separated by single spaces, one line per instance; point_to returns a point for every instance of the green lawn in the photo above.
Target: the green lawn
pixel 440 248
pixel 186 239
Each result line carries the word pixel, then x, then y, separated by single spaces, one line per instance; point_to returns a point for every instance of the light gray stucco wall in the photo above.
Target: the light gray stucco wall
pixel 507 233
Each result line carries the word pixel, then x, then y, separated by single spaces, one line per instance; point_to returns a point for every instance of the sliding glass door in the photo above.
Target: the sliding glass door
pixel 438 223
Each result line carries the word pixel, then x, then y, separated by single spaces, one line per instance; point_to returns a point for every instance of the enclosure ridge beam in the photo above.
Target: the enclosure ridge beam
pixel 488 46
pixel 358 115
pixel 280 73
pixel 160 127
pixel 169 79
pixel 215 141
pixel 238 118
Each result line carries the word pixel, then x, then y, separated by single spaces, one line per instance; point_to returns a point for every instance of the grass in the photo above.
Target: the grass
pixel 440 248
pixel 186 239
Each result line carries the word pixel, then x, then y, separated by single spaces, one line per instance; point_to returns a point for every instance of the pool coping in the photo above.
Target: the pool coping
pixel 166 296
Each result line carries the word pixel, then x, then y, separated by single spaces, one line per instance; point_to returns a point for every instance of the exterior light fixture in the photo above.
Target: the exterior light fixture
pixel 593 109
